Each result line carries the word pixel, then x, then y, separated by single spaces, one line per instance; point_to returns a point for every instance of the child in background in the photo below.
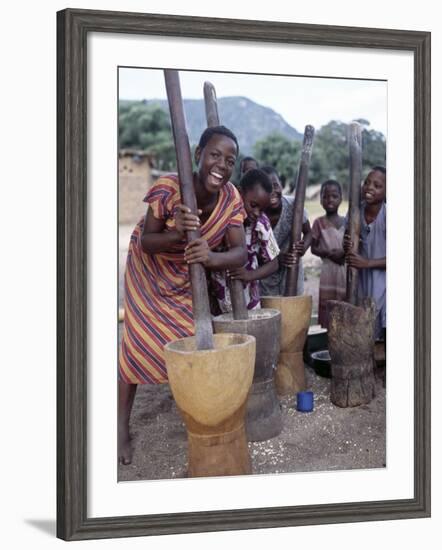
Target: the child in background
pixel 246 164
pixel 327 236
pixel 262 249
pixel 371 258
pixel 280 214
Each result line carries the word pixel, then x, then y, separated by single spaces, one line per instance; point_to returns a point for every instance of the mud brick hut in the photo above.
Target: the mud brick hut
pixel 136 174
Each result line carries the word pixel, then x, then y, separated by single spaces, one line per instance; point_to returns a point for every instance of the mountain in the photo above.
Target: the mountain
pixel 248 120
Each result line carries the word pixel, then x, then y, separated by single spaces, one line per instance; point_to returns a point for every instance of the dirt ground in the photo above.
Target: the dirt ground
pixel 329 438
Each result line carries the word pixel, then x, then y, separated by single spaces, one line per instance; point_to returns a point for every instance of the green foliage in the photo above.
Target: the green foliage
pixel 330 158
pixel 147 127
pixel 280 152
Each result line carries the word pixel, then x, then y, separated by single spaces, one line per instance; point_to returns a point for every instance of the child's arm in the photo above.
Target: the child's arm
pixel 289 259
pixel 318 250
pixel 347 243
pixel 336 255
pixel 198 251
pixel 155 239
pixel 261 272
pixel 359 262
pixel 300 247
pixel 307 236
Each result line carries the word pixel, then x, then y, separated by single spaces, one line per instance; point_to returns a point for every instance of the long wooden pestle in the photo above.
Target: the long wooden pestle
pixel 352 324
pixel 200 297
pixel 354 204
pixel 291 284
pixel 239 306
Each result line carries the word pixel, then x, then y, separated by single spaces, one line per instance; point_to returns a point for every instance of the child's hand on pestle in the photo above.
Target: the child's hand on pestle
pixel 348 244
pixel 299 248
pixel 240 273
pixel 185 221
pixel 198 252
pixel 289 259
pixel 357 261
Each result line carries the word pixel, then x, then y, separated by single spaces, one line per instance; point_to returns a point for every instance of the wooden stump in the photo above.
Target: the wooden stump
pixel 351 345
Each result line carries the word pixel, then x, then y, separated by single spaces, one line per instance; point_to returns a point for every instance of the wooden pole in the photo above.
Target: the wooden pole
pixel 211 104
pixel 291 285
pixel 239 306
pixel 354 212
pixel 200 297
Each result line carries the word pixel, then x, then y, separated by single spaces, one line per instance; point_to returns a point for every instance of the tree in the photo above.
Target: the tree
pixel 147 127
pixel 330 153
pixel 330 159
pixel 280 152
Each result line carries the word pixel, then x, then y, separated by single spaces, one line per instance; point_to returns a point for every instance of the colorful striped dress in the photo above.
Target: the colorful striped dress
pixel 158 300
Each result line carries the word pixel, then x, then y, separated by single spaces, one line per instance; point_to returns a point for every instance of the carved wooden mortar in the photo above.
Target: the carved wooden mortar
pixel 210 388
pixel 263 416
pixel 295 321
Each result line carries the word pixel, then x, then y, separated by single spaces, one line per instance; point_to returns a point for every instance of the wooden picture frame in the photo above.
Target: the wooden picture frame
pixel 73 27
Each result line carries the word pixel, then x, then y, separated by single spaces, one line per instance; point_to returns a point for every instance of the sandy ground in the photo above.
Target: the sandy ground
pixel 329 438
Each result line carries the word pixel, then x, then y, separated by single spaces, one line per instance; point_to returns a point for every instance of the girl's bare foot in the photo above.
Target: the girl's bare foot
pixel 124 450
pixel 126 396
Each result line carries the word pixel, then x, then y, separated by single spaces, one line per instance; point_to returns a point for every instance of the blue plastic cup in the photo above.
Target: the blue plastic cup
pixel 304 401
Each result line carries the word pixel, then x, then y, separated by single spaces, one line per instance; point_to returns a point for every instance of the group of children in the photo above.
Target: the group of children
pixel 245 235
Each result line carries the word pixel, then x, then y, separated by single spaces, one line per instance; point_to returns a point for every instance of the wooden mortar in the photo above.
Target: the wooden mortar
pixel 210 388
pixel 295 322
pixel 263 413
pixel 351 344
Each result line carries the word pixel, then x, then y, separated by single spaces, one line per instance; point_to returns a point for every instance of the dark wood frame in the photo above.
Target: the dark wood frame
pixel 73 27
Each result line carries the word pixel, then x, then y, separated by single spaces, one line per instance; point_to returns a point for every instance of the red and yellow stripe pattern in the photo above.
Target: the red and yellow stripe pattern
pixel 158 300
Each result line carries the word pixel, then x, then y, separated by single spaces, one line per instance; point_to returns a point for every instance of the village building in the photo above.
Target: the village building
pixel 136 174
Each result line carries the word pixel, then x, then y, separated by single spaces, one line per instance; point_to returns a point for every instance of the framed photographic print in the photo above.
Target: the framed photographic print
pixel 114 131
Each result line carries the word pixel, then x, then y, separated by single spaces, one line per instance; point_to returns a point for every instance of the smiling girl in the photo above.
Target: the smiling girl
pixel 262 250
pixel 158 300
pixel 280 214
pixel 371 257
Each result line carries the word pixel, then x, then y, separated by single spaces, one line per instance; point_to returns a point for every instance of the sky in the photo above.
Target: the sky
pixel 299 100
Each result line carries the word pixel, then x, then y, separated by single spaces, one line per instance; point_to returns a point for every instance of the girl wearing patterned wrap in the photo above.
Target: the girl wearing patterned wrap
pixel 158 300
pixel 262 250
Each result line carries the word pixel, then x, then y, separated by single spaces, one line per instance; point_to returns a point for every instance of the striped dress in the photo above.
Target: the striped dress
pixel 158 300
